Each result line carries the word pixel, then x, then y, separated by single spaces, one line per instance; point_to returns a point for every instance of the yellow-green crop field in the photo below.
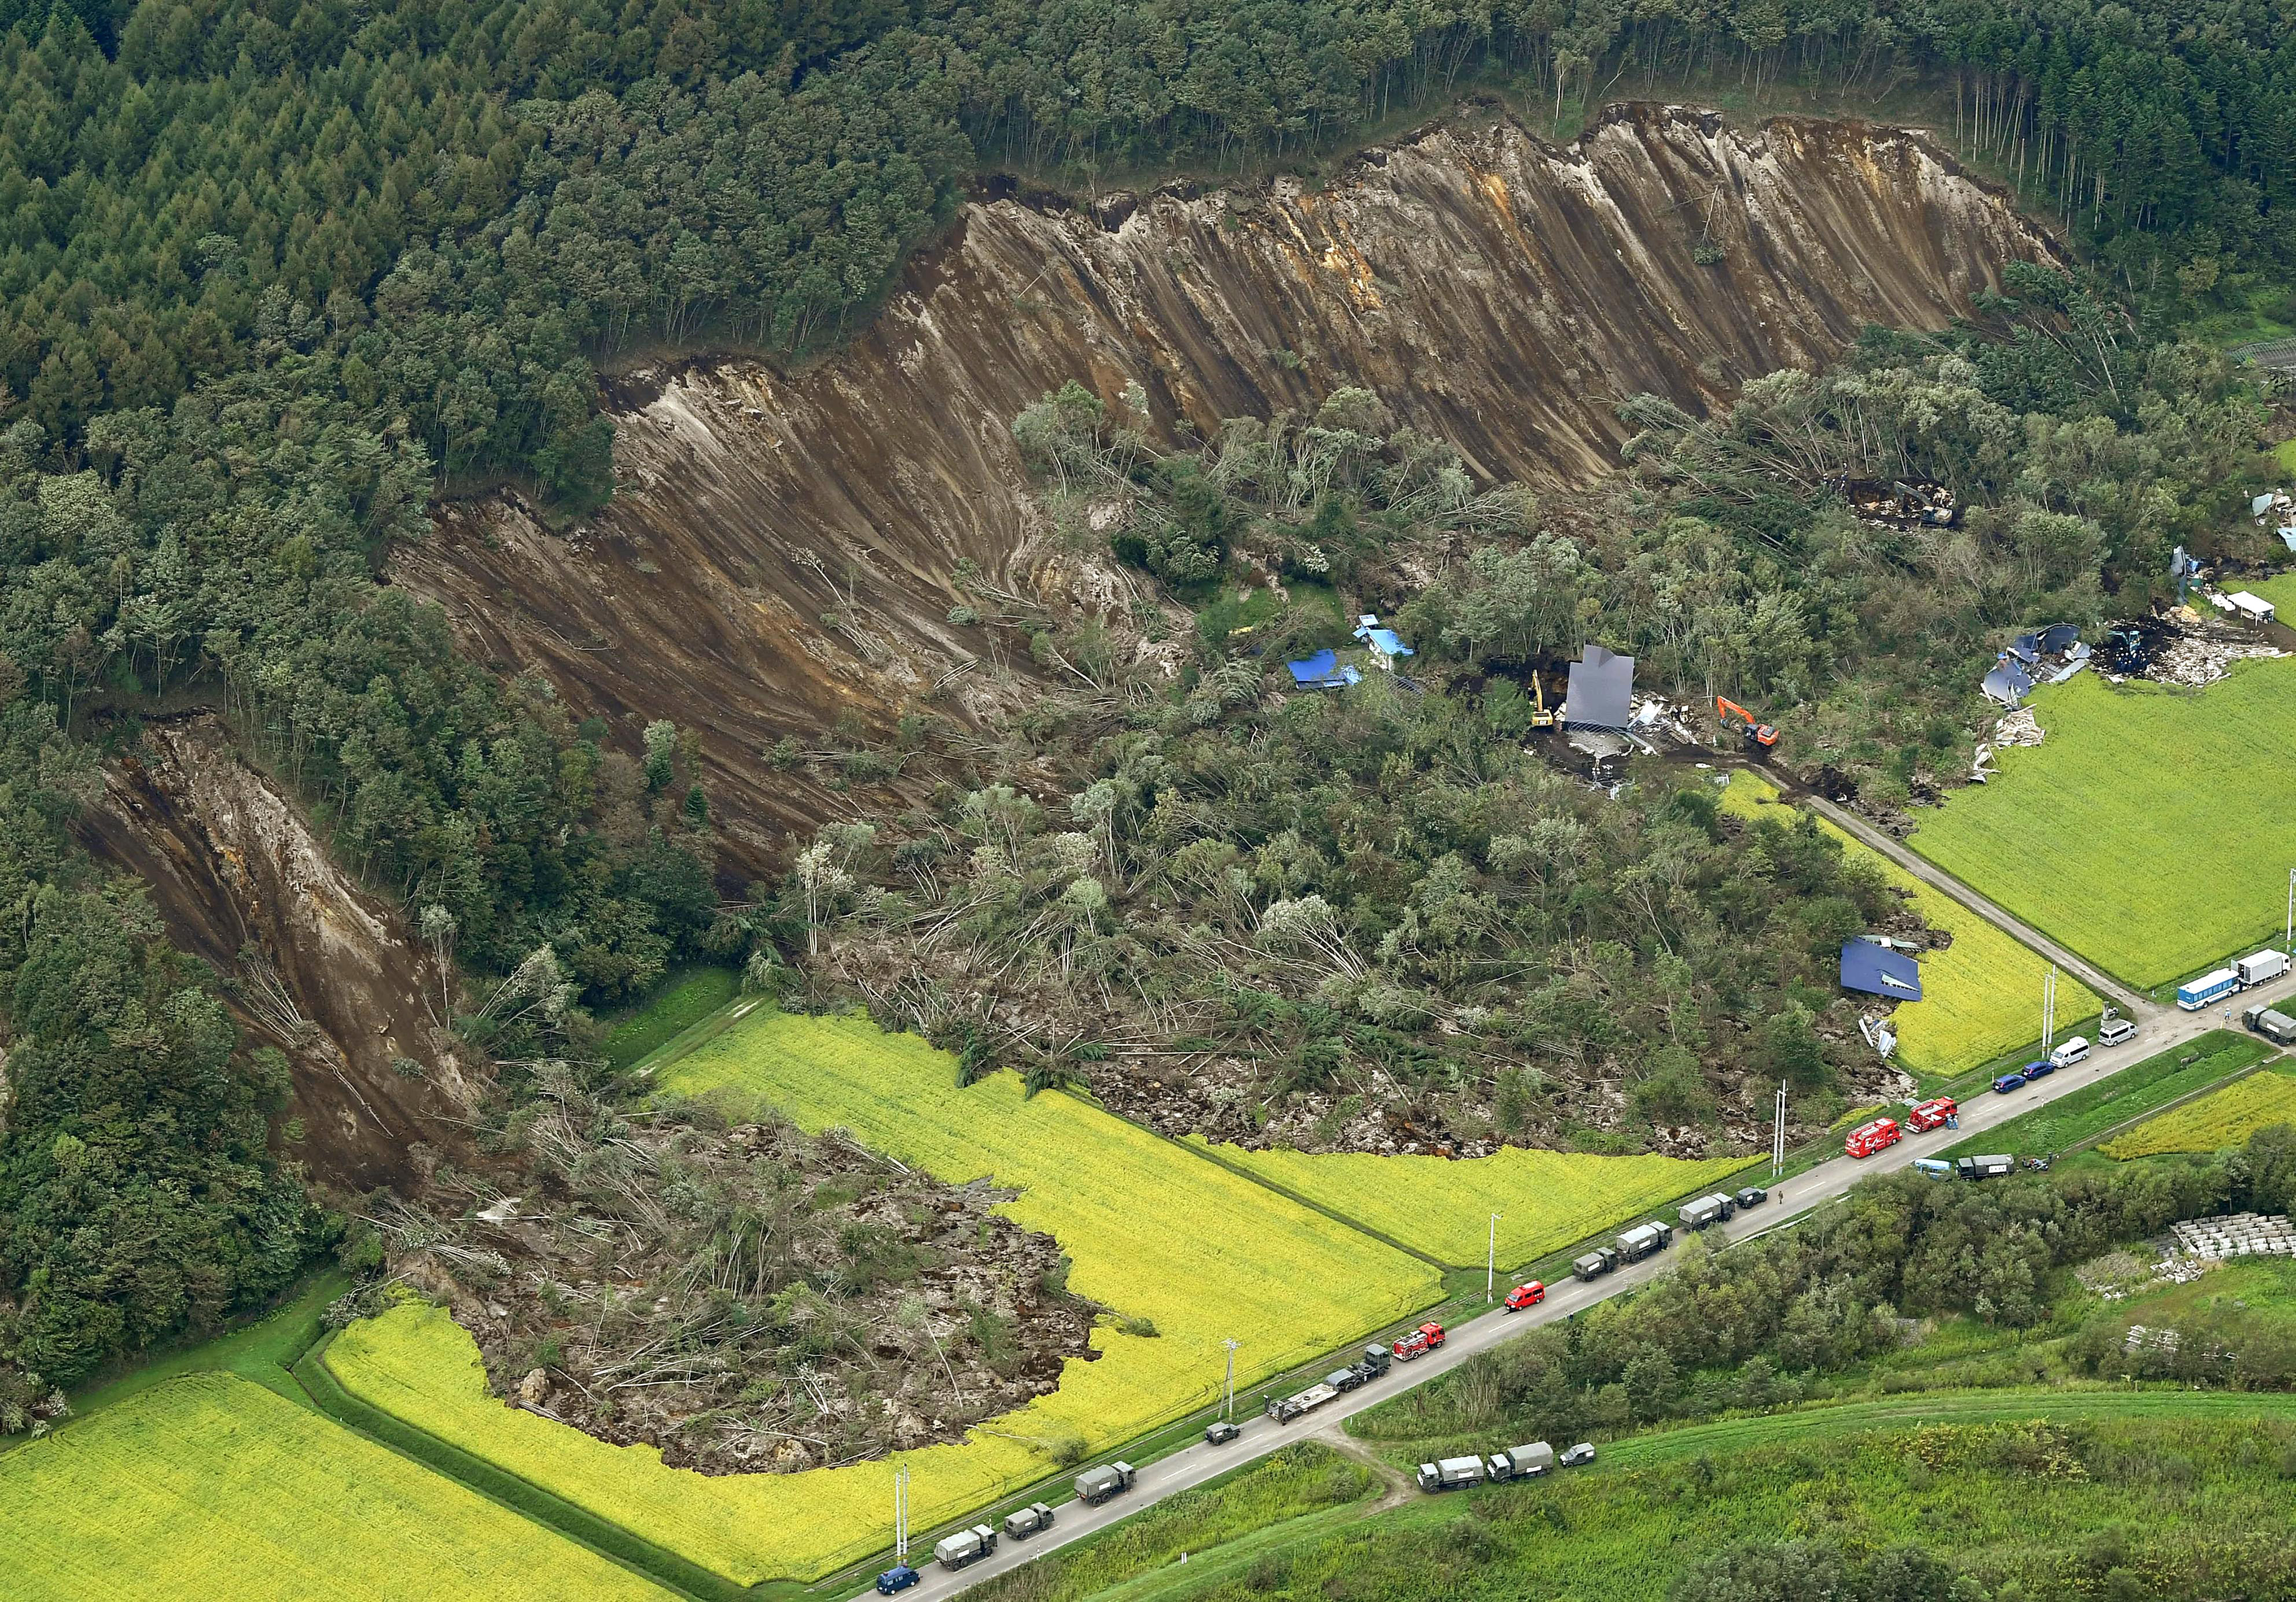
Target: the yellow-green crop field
pixel 1442 1206
pixel 2227 1117
pixel 211 1486
pixel 1154 1233
pixel 1980 995
pixel 2138 832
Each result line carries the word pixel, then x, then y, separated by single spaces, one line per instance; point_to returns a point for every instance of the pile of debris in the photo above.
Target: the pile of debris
pixel 2048 656
pixel 2019 728
pixel 1898 504
pixel 2202 656
pixel 2236 1235
pixel 747 1299
pixel 2277 510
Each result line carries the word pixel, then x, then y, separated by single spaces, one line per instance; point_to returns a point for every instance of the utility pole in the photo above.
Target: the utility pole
pixel 2288 939
pixel 1491 1262
pixel 901 1514
pixel 2049 1010
pixel 1227 1386
pixel 1778 1135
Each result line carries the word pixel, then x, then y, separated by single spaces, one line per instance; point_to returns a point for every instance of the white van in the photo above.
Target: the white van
pixel 2069 1053
pixel 2114 1031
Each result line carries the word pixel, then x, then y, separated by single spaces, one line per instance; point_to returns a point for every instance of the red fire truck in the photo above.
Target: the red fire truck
pixel 1868 1139
pixel 1932 1115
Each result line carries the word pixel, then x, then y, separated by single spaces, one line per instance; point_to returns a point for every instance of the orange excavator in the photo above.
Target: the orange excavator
pixel 1758 736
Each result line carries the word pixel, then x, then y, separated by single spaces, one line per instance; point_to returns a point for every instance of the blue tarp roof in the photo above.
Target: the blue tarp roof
pixel 1383 641
pixel 1322 671
pixel 1880 971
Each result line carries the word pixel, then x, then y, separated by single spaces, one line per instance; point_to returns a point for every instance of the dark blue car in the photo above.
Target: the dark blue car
pixel 2008 1082
pixel 898 1578
pixel 2037 1070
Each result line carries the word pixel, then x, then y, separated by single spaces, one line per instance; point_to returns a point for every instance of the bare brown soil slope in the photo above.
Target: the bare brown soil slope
pixel 783 548
pixel 313 964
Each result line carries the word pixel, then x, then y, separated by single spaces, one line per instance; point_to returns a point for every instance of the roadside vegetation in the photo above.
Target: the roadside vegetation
pixel 2129 1093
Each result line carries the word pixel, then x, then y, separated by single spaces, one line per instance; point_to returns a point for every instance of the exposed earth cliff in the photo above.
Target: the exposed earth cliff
pixel 312 964
pixel 783 548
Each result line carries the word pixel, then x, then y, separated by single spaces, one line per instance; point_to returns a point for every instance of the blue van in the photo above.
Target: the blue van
pixel 2008 1082
pixel 2038 1070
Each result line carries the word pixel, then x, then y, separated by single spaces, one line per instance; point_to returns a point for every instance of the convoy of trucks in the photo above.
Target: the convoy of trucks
pixel 2274 1025
pixel 1033 1519
pixel 1643 1240
pixel 1595 1264
pixel 1515 1463
pixel 2258 968
pixel 965 1547
pixel 1094 1486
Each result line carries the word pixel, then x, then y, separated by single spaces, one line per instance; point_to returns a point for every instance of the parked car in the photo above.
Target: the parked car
pixel 898 1578
pixel 2037 1070
pixel 1584 1452
pixel 2115 1031
pixel 1220 1433
pixel 1752 1196
pixel 1525 1295
pixel 2008 1082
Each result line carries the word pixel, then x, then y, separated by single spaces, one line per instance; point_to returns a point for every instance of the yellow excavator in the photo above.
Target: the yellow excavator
pixel 1759 737
pixel 1540 718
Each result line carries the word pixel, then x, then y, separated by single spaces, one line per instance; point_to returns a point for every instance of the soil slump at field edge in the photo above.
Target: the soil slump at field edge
pixel 783 547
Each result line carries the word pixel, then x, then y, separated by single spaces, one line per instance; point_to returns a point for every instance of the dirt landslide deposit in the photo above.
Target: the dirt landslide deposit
pixel 784 547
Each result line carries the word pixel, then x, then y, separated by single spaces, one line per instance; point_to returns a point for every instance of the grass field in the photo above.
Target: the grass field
pixel 2227 1117
pixel 683 1000
pixel 2093 1108
pixel 1980 995
pixel 209 1485
pixel 1155 1234
pixel 2050 1491
pixel 1443 1207
pixel 2136 832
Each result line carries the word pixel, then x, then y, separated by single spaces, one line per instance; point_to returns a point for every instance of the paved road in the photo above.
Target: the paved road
pixel 2135 1005
pixel 2158 1030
